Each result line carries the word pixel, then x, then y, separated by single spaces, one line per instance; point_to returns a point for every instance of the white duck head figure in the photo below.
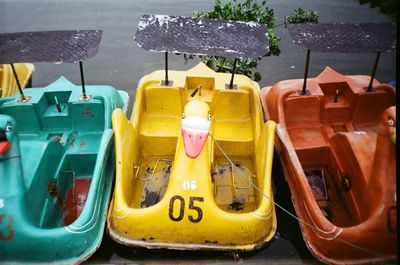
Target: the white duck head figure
pixel 195 127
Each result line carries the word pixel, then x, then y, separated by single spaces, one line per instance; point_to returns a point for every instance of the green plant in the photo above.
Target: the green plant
pixel 387 7
pixel 302 16
pixel 248 11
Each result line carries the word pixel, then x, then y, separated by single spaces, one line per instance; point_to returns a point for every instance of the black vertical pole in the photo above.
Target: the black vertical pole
pixel 166 69
pixel 370 88
pixel 303 91
pixel 233 73
pixel 18 84
pixel 82 80
pixel 336 97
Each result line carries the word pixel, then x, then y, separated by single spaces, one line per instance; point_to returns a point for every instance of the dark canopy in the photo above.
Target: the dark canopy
pixel 199 36
pixel 68 46
pixel 347 38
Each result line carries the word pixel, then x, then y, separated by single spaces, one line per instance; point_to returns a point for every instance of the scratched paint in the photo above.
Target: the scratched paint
pixel 53 190
pixel 88 111
pixel 6 227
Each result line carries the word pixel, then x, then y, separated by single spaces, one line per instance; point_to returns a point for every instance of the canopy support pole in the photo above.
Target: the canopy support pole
pixel 231 85
pixel 166 68
pixel 82 80
pixel 166 82
pixel 23 99
pixel 370 88
pixel 304 91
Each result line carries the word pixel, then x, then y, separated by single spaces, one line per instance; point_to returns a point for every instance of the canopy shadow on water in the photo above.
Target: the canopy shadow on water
pixel 344 38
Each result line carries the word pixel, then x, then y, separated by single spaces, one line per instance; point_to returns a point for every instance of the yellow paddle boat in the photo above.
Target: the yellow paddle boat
pixel 193 164
pixel 8 83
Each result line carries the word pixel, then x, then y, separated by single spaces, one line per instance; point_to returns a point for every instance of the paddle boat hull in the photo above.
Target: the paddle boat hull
pixel 188 162
pixel 56 172
pixel 338 152
pixel 8 84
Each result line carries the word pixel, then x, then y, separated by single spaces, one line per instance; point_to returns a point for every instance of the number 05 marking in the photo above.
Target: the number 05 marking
pixel 192 206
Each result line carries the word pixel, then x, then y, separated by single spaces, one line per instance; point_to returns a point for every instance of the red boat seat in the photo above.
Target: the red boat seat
pixel 300 110
pixel 357 152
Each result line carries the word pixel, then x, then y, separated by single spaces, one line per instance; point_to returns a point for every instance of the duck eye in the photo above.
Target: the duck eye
pixel 9 127
pixel 391 122
pixel 209 116
pixel 183 115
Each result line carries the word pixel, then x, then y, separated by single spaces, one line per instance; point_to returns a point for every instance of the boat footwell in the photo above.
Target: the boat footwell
pixel 232 191
pixel 75 200
pixel 151 179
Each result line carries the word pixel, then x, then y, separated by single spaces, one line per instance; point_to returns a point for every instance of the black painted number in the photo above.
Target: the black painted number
pixel 196 208
pixel 171 208
pixel 192 206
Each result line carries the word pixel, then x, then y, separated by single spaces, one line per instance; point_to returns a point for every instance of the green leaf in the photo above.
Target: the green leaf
pixel 302 16
pixel 212 63
pixel 245 10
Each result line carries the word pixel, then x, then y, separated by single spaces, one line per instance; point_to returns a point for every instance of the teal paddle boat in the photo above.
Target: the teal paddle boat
pixel 56 155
